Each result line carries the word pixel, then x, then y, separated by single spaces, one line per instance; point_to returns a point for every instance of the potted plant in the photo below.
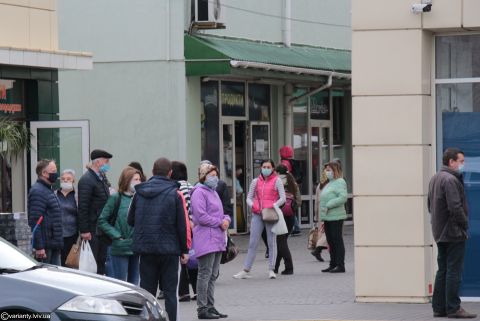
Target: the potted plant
pixel 14 140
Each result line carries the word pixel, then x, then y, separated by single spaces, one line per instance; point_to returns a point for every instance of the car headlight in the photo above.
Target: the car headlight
pixel 93 305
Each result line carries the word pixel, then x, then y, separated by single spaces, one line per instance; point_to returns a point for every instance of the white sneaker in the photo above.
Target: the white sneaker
pixel 242 275
pixel 271 275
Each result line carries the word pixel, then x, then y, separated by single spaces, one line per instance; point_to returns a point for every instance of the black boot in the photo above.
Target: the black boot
pixel 205 314
pixel 318 253
pixel 215 312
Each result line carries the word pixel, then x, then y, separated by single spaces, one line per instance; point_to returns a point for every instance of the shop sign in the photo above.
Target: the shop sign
pixel 319 108
pixel 10 97
pixel 233 99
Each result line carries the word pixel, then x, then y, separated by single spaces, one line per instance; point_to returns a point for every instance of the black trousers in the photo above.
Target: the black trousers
pixel 187 277
pixel 283 251
pixel 334 234
pixel 163 269
pixel 99 249
pixel 67 246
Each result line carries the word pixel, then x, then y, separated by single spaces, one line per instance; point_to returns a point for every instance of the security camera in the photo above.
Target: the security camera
pixel 425 6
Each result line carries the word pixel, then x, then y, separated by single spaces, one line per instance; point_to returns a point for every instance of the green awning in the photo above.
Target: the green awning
pixel 210 55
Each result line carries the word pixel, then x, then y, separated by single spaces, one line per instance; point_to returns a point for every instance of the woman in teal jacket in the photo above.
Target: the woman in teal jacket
pixel 125 263
pixel 332 212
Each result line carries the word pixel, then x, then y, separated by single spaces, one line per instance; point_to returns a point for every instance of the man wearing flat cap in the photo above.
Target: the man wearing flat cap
pixel 93 192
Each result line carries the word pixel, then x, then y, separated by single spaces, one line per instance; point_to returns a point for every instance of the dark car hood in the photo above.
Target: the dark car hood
pixel 72 281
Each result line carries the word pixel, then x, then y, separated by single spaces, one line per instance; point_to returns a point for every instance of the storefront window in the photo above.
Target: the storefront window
pixel 342 133
pixel 233 99
pixel 457 57
pixel 300 145
pixel 210 121
pixel 319 106
pixel 259 102
pixel 11 98
pixel 457 87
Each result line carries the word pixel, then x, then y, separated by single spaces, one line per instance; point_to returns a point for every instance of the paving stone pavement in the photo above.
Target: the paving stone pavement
pixel 309 294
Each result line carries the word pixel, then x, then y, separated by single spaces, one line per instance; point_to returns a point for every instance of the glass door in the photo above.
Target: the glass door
pixel 321 154
pixel 227 162
pixel 66 142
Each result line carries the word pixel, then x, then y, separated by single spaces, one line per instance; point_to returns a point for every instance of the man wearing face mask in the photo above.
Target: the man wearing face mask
pixel 93 193
pixel 68 204
pixel 157 214
pixel 449 217
pixel 42 202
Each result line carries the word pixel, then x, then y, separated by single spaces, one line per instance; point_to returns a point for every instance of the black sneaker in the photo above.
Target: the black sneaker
pixel 461 314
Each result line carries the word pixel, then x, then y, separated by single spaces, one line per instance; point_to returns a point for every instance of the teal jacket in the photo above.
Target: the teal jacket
pixel 332 201
pixel 121 233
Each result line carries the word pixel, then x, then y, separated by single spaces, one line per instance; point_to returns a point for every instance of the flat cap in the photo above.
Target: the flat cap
pixel 99 153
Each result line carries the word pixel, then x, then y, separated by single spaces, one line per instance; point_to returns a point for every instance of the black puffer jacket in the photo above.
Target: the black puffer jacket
pixel 93 193
pixel 158 217
pixel 42 201
pixel 448 206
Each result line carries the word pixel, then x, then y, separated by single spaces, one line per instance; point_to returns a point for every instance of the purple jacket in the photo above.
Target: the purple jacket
pixel 207 217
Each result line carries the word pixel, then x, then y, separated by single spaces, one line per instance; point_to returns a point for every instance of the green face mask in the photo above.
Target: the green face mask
pixel 329 175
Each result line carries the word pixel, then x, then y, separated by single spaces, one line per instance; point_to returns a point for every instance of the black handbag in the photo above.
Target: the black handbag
pixel 231 251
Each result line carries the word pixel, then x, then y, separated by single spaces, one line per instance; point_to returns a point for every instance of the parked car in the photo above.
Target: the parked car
pixel 29 286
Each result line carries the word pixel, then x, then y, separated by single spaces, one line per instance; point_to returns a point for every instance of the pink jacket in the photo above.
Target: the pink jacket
pixel 266 193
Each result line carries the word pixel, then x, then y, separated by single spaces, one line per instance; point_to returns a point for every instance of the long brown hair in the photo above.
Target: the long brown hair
pixel 291 184
pixel 126 177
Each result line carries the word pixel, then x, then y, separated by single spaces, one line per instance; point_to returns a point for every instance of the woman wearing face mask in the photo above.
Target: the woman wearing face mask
pixel 68 204
pixel 209 238
pixel 125 264
pixel 332 212
pixel 266 191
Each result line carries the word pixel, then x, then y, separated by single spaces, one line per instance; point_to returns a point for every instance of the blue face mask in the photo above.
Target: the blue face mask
pixel 105 168
pixel 461 168
pixel 267 172
pixel 329 175
pixel 212 182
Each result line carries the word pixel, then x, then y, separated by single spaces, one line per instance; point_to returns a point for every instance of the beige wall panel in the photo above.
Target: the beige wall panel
pixel 43 4
pixel 375 14
pixel 389 115
pixel 24 3
pixel 471 16
pixel 445 14
pixel 391 221
pixel 14 30
pixel 54 30
pixel 390 63
pixel 40 29
pixel 391 170
pixel 396 277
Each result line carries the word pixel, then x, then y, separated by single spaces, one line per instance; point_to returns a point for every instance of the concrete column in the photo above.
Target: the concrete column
pixel 393 158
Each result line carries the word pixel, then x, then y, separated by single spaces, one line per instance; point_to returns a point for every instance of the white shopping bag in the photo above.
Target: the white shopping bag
pixel 280 227
pixel 87 261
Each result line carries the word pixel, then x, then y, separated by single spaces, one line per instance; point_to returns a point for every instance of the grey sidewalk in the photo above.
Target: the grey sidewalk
pixel 309 294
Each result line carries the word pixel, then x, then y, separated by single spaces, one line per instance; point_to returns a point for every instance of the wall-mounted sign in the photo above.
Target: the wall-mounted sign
pixel 319 106
pixel 233 98
pixel 11 97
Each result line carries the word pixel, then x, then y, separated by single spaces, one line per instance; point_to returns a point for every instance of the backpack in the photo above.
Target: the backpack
pixel 290 207
pixel 297 171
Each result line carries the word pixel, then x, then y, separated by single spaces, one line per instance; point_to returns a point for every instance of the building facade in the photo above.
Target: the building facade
pixel 415 93
pixel 29 62
pixel 166 86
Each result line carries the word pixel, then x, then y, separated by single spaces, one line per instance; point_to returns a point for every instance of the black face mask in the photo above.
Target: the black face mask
pixel 52 177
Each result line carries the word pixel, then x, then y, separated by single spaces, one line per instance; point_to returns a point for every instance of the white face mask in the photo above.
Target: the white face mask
pixel 329 175
pixel 66 186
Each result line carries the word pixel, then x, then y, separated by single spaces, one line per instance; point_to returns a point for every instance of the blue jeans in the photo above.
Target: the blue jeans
pixel 126 268
pixel 449 276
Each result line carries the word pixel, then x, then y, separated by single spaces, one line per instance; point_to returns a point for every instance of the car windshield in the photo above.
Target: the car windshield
pixel 13 260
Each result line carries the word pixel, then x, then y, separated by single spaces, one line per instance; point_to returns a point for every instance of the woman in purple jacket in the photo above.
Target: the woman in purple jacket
pixel 209 238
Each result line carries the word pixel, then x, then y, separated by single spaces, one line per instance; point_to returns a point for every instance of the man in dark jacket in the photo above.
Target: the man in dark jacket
pixel 449 218
pixel 160 234
pixel 93 192
pixel 42 202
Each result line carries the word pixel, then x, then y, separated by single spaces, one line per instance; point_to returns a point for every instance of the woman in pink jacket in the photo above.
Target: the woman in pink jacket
pixel 266 191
